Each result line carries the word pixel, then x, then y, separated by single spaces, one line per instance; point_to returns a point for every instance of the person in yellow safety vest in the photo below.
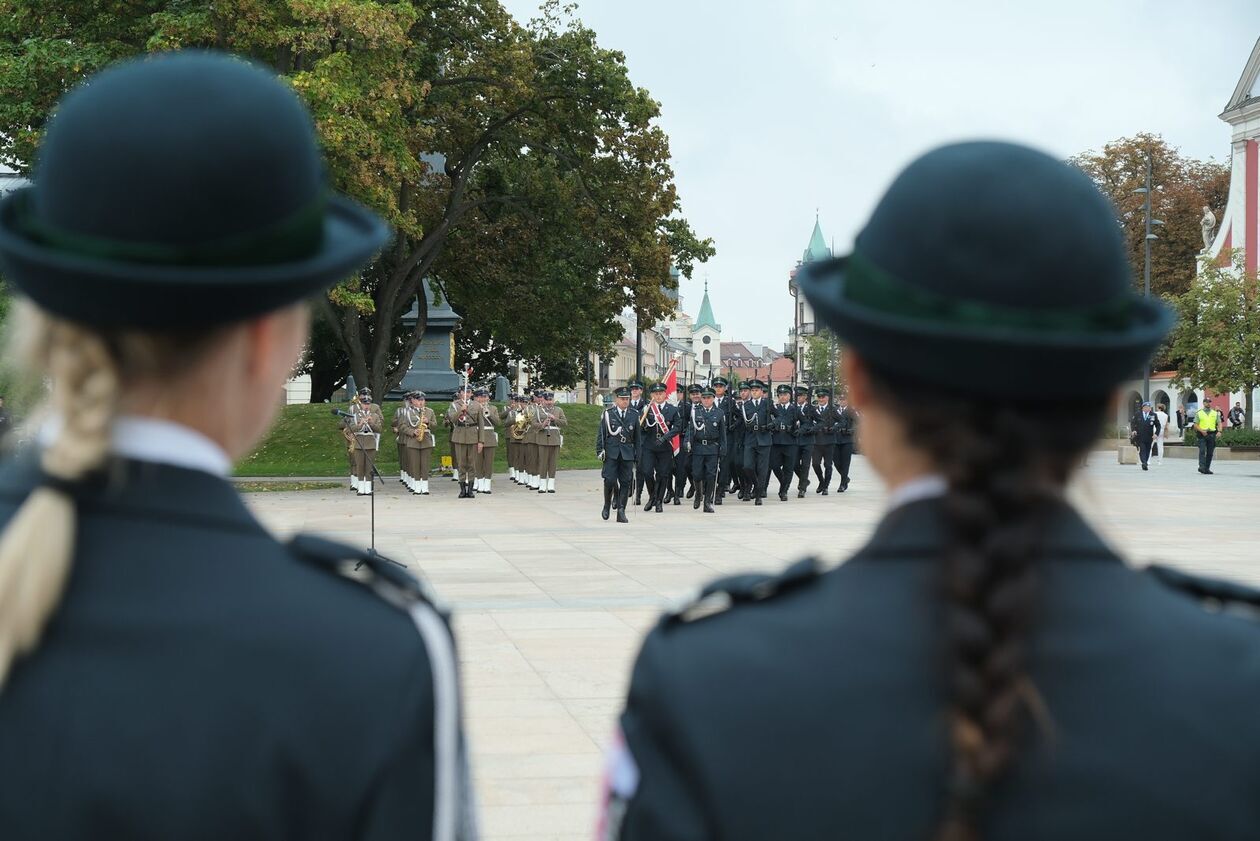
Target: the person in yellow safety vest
pixel 1206 424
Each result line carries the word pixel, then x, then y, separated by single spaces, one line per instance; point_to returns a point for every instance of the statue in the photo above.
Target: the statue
pixel 1208 224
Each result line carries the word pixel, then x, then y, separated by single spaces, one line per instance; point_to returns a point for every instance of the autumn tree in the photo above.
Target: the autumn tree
pixel 1217 337
pixel 523 172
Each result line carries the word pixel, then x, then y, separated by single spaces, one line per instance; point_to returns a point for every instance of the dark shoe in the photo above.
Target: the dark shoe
pixel 757 501
pixel 604 513
pixel 621 516
pixel 1201 470
pixel 658 508
pixel 695 505
pixel 691 491
pixel 717 501
pixel 800 493
pixel 638 499
pixel 708 508
pixel 823 492
pixel 844 486
pixel 650 505
pixel 1209 472
pixel 1144 467
pixel 820 489
pixel 782 497
pixel 677 501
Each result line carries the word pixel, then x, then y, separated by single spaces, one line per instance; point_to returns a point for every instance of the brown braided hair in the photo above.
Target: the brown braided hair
pixel 1006 466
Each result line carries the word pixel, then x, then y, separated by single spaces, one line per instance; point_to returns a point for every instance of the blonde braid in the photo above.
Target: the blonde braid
pixel 37 546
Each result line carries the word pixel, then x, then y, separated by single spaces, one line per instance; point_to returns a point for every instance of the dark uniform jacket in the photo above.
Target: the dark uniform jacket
pixel 828 418
pixel 755 421
pixel 655 438
pixel 813 709
pixel 710 440
pixel 201 681
pixel 808 423
pixel 846 425
pixel 1144 429
pixel 785 418
pixel 620 445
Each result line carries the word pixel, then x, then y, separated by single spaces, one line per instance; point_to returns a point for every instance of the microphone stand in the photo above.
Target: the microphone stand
pixel 375 474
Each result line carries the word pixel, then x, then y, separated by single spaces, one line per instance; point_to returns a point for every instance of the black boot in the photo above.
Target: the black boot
pixel 463 491
pixel 708 499
pixel 800 493
pixel 757 501
pixel 695 505
pixel 608 492
pixel 658 509
pixel 621 514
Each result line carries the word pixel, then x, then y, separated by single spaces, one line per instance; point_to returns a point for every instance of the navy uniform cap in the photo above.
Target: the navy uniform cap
pixel 720 381
pixel 636 384
pixel 693 389
pixel 822 392
pixel 802 389
pixel 623 391
pixel 481 392
pixel 783 389
pixel 708 392
pixel 657 388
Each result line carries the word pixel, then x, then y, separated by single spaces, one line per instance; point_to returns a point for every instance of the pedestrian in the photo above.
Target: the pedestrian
pixel 168 668
pixel 824 441
pixel 726 406
pixel 486 448
pixel 804 439
pixel 785 418
pixel 1161 414
pixel 706 438
pixel 846 439
pixel 1207 422
pixel 659 422
pixel 985 666
pixel 1144 428
pixel 758 439
pixel 615 447
pixel 1237 417
pixel 1181 420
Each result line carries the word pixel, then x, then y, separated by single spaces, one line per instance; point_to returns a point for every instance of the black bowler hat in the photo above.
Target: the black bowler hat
pixel 180 190
pixel 986 269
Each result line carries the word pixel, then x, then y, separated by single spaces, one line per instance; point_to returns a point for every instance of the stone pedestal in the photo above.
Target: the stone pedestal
pixel 432 368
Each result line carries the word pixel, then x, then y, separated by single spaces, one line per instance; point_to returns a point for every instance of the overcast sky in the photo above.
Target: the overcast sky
pixel 775 109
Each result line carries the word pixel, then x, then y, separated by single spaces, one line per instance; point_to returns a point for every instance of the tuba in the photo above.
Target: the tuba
pixel 519 426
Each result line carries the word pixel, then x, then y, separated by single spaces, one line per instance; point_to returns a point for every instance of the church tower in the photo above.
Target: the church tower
pixel 706 340
pixel 1239 226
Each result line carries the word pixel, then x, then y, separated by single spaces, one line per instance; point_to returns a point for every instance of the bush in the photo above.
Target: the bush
pixel 1228 438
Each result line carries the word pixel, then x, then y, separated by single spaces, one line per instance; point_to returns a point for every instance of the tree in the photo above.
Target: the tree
pixel 822 358
pixel 1183 186
pixel 1217 337
pixel 519 166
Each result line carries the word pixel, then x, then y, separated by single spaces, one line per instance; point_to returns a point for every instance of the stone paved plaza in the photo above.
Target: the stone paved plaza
pixel 551 601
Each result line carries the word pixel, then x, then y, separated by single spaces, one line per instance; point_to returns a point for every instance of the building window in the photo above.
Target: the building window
pixel 707 358
pixel 707 339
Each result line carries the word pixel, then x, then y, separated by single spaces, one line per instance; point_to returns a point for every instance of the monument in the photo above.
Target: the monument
pixel 432 368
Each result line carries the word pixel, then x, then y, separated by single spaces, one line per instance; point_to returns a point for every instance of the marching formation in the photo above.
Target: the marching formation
pixel 535 429
pixel 710 445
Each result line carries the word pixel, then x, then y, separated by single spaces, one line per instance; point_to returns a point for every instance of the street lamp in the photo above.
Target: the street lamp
pixel 1146 272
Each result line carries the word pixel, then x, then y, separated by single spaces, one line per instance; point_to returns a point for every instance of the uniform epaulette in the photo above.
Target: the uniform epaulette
pixel 386 577
pixel 725 593
pixel 1214 593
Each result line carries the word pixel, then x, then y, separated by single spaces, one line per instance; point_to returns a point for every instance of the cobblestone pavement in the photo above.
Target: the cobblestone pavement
pixel 552 601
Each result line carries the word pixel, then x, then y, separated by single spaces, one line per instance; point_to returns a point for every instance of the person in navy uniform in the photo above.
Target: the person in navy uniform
pixel 1143 429
pixel 659 422
pixel 726 405
pixel 615 446
pixel 638 403
pixel 846 439
pixel 685 482
pixel 804 439
pixel 824 440
pixel 785 420
pixel 986 666
pixel 706 438
pixel 168 668
pixel 754 418
pixel 735 441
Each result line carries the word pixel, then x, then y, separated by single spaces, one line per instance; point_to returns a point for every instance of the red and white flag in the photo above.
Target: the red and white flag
pixel 671 387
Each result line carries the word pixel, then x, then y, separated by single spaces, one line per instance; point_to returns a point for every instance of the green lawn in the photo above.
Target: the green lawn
pixel 307 441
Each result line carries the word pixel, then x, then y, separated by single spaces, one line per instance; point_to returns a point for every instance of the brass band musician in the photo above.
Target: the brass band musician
pixel 413 425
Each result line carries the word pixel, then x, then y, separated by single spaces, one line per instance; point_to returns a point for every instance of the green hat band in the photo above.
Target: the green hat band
pixel 872 287
pixel 293 238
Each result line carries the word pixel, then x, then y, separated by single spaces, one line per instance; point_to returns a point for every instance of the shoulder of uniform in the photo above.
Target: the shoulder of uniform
pixel 728 593
pixel 1216 594
pixel 385 577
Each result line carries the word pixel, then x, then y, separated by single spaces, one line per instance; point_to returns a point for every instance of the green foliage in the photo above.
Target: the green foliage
pixel 1236 437
pixel 1217 338
pixel 306 441
pixel 521 168
pixel 822 358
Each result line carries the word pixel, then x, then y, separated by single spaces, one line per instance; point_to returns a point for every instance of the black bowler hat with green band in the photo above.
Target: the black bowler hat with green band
pixel 991 269
pixel 181 190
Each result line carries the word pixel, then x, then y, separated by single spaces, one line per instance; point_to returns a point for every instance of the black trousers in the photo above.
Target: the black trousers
pixel 824 455
pixel 1207 448
pixel 804 458
pixel 682 472
pixel 1144 451
pixel 783 464
pixel 657 467
pixel 704 473
pixel 844 455
pixel 619 474
pixel 757 467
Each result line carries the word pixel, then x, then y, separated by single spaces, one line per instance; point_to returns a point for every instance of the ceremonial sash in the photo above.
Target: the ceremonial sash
pixel 660 424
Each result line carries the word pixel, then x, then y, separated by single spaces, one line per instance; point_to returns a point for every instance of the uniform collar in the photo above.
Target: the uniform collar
pixel 157 442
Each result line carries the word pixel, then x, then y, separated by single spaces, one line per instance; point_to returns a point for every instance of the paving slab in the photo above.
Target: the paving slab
pixel 552 602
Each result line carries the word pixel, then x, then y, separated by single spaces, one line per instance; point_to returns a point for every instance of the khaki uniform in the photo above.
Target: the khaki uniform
pixel 464 418
pixel 530 444
pixel 513 446
pixel 415 451
pixel 548 423
pixel 363 433
pixel 490 422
